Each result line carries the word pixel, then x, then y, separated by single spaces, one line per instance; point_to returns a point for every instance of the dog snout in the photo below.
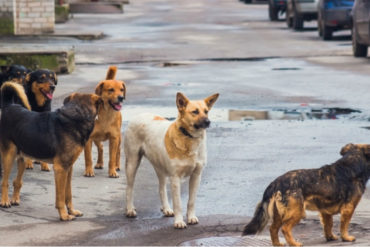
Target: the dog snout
pixel 206 123
pixel 121 98
pixel 52 87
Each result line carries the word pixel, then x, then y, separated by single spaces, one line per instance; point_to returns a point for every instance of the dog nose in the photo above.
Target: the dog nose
pixel 52 87
pixel 121 98
pixel 206 123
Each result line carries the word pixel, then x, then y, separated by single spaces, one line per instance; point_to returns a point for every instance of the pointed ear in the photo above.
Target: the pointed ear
pixel 28 78
pixel 99 88
pixel 4 69
pixel 347 148
pixel 181 101
pixel 211 100
pixel 55 78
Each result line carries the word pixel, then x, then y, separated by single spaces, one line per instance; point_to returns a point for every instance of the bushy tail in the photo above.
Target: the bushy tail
pixel 259 221
pixel 111 73
pixel 13 93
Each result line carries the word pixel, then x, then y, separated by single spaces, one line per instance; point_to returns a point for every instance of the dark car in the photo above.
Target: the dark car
pixel 333 15
pixel 360 27
pixel 276 7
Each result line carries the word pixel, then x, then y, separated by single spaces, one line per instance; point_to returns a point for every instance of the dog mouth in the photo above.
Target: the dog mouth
pixel 48 94
pixel 116 106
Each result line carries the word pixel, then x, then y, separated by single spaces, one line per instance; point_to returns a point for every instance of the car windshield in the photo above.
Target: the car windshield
pixel 338 3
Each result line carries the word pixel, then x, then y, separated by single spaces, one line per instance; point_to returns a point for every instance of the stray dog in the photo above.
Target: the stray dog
pixel 39 86
pixel 331 189
pixel 175 149
pixel 13 73
pixel 56 137
pixel 107 125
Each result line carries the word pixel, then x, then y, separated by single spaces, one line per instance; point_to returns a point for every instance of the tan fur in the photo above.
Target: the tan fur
pixel 20 92
pixel 107 126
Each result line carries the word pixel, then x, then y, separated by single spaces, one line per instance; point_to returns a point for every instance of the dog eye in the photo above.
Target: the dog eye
pixel 121 89
pixel 205 111
pixel 196 112
pixel 111 90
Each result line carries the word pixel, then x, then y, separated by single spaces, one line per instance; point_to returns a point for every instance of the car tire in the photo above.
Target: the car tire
pixel 319 24
pixel 273 13
pixel 327 32
pixel 297 20
pixel 288 19
pixel 359 50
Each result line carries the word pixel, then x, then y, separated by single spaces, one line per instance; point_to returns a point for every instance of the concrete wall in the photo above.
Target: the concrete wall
pixel 6 17
pixel 34 16
pixel 26 17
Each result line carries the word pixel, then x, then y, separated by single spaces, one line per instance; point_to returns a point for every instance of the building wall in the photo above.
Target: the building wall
pixel 34 16
pixel 6 17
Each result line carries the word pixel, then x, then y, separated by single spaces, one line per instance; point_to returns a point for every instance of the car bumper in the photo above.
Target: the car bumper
pixel 338 17
pixel 280 3
pixel 307 6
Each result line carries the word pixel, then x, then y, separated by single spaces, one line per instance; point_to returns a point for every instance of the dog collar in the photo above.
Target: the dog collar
pixel 185 132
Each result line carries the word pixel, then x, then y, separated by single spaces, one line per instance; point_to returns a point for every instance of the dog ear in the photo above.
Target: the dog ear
pixel 211 100
pixel 28 78
pixel 4 68
pixel 68 99
pixel 347 148
pixel 124 89
pixel 55 79
pixel 181 101
pixel 99 88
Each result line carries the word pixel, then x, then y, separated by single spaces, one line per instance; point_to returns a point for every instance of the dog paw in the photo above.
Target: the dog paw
pixel 5 204
pixel 45 167
pixel 29 166
pixel 89 173
pixel 331 238
pixel 193 220
pixel 348 239
pixel 99 166
pixel 15 202
pixel 113 174
pixel 167 212
pixel 180 224
pixel 75 212
pixel 67 217
pixel 131 213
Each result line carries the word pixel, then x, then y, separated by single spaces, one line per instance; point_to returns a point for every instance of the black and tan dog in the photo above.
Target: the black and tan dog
pixel 331 189
pixel 39 86
pixel 13 73
pixel 56 137
pixel 107 125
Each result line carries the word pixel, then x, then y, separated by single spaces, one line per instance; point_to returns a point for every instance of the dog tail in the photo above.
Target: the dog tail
pixel 259 220
pixel 111 73
pixel 13 93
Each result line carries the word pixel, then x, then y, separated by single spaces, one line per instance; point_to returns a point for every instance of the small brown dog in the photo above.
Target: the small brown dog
pixel 56 137
pixel 107 125
pixel 331 189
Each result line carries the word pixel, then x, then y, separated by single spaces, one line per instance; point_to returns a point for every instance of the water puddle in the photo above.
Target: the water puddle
pixel 229 241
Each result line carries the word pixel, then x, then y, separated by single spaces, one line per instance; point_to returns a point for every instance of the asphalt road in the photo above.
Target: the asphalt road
pixel 199 48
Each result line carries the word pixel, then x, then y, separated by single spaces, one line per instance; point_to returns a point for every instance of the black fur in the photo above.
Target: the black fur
pixel 11 72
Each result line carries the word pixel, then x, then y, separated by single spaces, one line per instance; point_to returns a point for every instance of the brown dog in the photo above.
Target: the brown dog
pixel 331 189
pixel 56 137
pixel 107 125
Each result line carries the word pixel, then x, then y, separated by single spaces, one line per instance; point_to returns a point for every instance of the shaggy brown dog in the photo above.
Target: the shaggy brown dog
pixel 107 125
pixel 331 189
pixel 56 137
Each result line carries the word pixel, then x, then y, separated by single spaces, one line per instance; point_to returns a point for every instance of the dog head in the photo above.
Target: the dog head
pixel 91 102
pixel 113 92
pixel 193 115
pixel 14 73
pixel 356 148
pixel 42 83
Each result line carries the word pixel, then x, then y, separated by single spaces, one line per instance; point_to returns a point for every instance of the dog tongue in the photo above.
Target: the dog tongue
pixel 117 106
pixel 49 95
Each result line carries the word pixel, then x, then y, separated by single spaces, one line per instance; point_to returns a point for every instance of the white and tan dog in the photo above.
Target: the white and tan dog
pixel 175 149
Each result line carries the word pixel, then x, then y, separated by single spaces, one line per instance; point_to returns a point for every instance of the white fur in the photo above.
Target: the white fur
pixel 146 136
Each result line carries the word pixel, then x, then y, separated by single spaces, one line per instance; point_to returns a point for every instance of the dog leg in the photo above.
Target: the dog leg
pixel 176 200
pixel 29 164
pixel 291 218
pixel 113 149
pixel 17 183
pixel 118 158
pixel 89 172
pixel 7 159
pixel 99 163
pixel 274 228
pixel 166 209
pixel 61 175
pixel 194 182
pixel 287 230
pixel 346 215
pixel 132 164
pixel 44 167
pixel 327 222
pixel 68 201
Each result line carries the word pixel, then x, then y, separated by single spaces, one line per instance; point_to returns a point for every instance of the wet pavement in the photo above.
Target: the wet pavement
pixel 199 48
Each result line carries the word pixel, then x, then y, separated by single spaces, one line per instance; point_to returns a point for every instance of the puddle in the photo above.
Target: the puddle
pixel 229 241
pixel 292 68
pixel 224 115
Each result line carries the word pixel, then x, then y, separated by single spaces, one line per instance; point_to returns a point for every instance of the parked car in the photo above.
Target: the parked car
pixel 298 11
pixel 275 8
pixel 360 27
pixel 333 15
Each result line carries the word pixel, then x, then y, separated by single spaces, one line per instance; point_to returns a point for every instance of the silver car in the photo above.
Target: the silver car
pixel 360 27
pixel 299 11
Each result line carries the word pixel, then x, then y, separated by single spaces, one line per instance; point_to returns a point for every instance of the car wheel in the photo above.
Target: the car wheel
pixel 273 13
pixel 288 19
pixel 327 32
pixel 319 24
pixel 297 20
pixel 359 50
